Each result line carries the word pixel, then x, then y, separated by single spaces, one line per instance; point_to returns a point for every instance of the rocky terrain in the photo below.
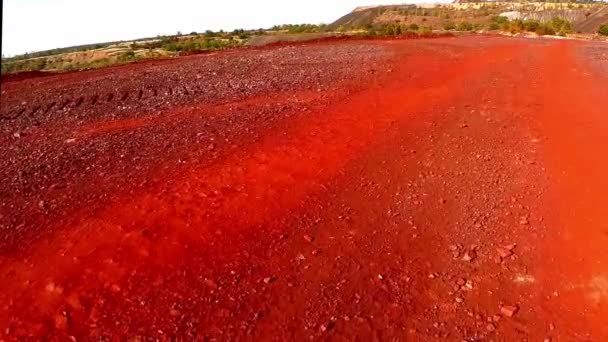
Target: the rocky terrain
pixel 338 190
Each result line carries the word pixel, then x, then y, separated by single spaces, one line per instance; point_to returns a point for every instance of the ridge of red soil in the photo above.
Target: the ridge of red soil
pixel 427 189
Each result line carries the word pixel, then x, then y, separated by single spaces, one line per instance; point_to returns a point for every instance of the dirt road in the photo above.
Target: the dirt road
pixel 449 189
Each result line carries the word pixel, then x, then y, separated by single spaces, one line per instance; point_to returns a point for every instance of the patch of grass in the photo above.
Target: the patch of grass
pixel 603 30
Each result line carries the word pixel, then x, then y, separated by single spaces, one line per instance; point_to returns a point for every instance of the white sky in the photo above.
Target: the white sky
pixel 33 25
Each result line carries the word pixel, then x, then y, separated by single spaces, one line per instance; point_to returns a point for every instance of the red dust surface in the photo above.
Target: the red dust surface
pixel 444 189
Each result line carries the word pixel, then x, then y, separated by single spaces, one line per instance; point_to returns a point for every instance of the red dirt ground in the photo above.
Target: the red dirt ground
pixel 449 189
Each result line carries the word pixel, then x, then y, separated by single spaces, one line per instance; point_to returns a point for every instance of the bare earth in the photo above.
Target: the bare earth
pixel 442 189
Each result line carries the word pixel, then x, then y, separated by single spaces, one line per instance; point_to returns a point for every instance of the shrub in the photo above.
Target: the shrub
pixel 301 28
pixel 554 26
pixel 500 20
pixel 516 26
pixel 603 30
pixel 493 26
pixel 170 47
pixel 531 25
pixel 413 27
pixel 449 26
pixel 561 26
pixel 465 26
pixel 210 34
pixel 39 64
pixel 99 63
pixel 126 56
pixel 389 30
pixel 498 23
pixel 545 29
pixel 425 31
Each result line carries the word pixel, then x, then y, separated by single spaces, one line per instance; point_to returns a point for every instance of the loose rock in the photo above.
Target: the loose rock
pixel 469 255
pixel 509 310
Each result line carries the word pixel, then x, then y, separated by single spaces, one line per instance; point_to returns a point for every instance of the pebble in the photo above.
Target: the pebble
pixel 469 256
pixel 503 252
pixel 212 284
pixel 490 327
pixel 509 310
pixel 510 247
pixel 53 288
pixel 61 322
pixel 309 238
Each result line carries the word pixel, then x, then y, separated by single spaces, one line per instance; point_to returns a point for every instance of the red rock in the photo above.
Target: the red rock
pixel 61 322
pixel 509 310
pixel 503 252
pixel 469 255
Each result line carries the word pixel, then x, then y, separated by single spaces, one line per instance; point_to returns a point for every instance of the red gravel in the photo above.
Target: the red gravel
pixel 428 189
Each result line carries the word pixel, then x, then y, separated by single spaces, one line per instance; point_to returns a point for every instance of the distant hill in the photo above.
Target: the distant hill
pixel 593 21
pixel 364 16
pixel 586 17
